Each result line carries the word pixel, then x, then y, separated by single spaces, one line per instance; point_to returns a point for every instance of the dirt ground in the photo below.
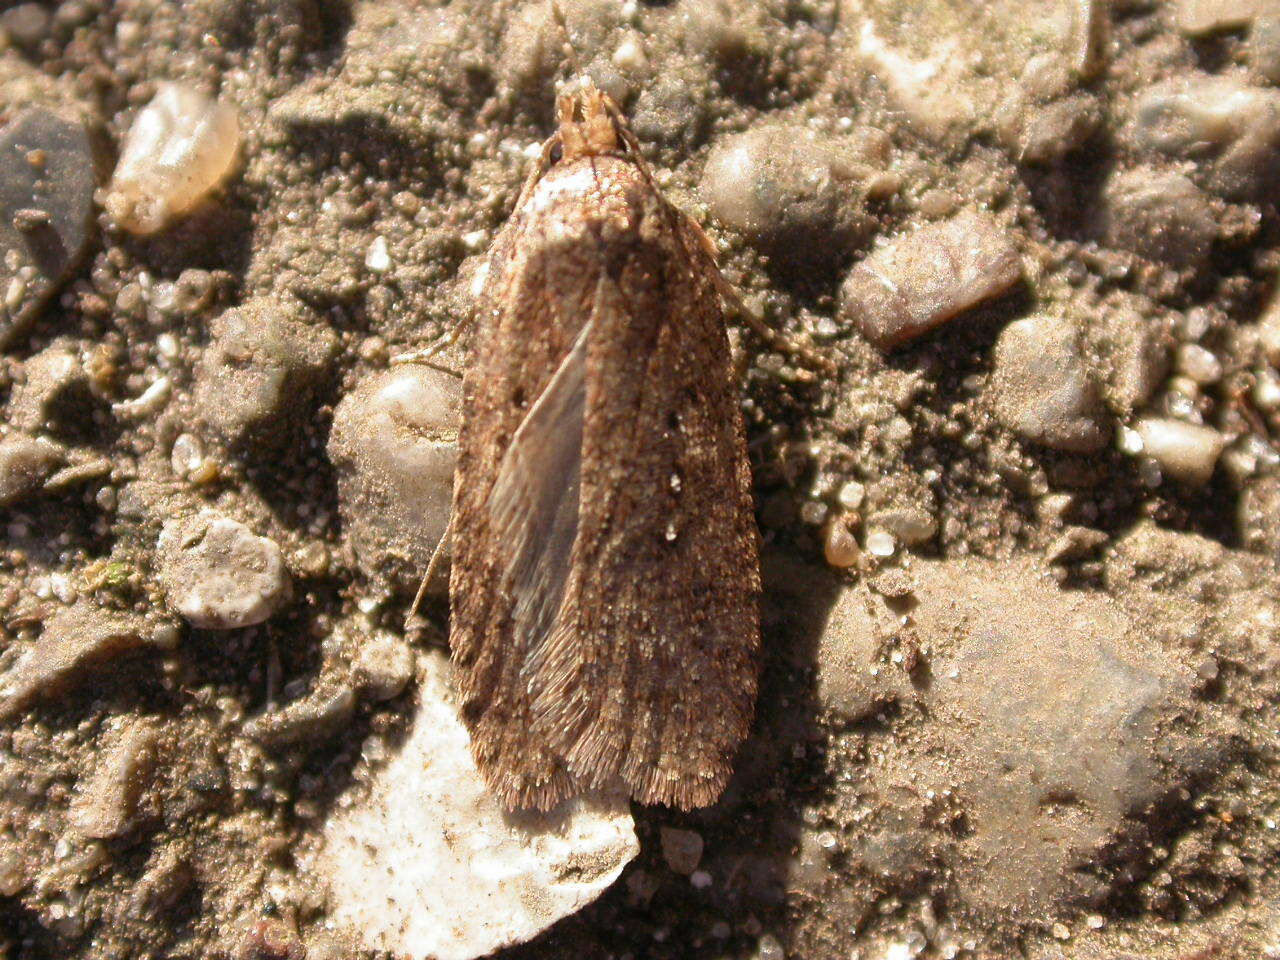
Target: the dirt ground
pixel 1021 690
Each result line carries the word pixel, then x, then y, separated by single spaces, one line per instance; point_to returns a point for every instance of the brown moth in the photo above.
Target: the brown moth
pixel 605 575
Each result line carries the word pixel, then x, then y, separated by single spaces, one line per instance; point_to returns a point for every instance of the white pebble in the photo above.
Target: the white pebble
pixel 148 402
pixel 851 495
pixel 181 146
pixel 881 544
pixel 1186 451
pixel 1199 364
pixel 378 259
pixel 629 56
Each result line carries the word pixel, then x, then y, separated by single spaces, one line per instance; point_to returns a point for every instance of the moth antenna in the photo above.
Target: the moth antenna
pixel 570 53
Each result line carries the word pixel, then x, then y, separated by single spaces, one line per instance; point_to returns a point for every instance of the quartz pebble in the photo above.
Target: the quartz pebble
pixel 408 857
pixel 46 211
pixel 1185 451
pixel 1044 390
pixel 394 446
pixel 218 574
pixel 923 279
pixel 181 146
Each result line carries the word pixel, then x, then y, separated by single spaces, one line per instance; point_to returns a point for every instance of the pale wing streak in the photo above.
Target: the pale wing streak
pixel 534 504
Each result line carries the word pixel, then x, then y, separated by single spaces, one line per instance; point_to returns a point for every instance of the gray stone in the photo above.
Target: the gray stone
pixel 256 378
pixel 55 386
pixel 853 681
pixel 218 574
pixel 25 464
pixel 1258 516
pixel 47 180
pixel 1058 715
pixel 788 189
pixel 1263 47
pixel 1227 128
pixel 1135 356
pixel 923 279
pixel 682 849
pixel 321 713
pixel 1199 17
pixel 394 447
pixel 384 666
pixel 1044 390
pixel 1160 215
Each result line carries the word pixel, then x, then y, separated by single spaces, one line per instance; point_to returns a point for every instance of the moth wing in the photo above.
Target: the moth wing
pixel 649 671
pixel 533 507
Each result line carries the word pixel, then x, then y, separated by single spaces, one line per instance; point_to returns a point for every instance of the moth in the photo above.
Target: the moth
pixel 605 577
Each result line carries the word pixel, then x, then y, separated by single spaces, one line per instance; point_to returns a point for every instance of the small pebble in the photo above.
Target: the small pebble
pixel 1044 390
pixel 923 279
pixel 788 189
pixel 1185 451
pixel 378 259
pixel 181 146
pixel 851 495
pixel 881 544
pixel 218 574
pixel 1199 364
pixel 394 447
pixel 384 666
pixel 682 849
pixel 840 546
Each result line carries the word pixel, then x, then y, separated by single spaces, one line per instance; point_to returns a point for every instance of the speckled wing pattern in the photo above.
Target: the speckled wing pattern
pixel 605 577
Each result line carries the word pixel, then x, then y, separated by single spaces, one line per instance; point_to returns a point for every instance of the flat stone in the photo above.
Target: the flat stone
pixel 1161 215
pixel 925 278
pixel 1228 128
pixel 47 180
pixel 105 800
pixel 1056 713
pixel 72 642
pixel 25 464
pixel 788 189
pixel 218 574
pixel 425 863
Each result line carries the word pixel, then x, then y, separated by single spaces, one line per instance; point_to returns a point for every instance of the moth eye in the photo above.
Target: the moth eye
pixel 557 152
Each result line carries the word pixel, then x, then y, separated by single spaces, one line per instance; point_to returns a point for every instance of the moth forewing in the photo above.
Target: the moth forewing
pixel 605 580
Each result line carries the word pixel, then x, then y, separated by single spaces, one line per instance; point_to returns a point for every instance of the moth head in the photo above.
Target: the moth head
pixel 590 122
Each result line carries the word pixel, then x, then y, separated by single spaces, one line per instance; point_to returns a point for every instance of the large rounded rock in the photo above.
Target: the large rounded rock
pixel 394 446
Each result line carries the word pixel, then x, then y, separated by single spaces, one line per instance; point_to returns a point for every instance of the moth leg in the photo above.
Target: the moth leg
pixel 776 341
pixel 424 357
pixel 433 567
